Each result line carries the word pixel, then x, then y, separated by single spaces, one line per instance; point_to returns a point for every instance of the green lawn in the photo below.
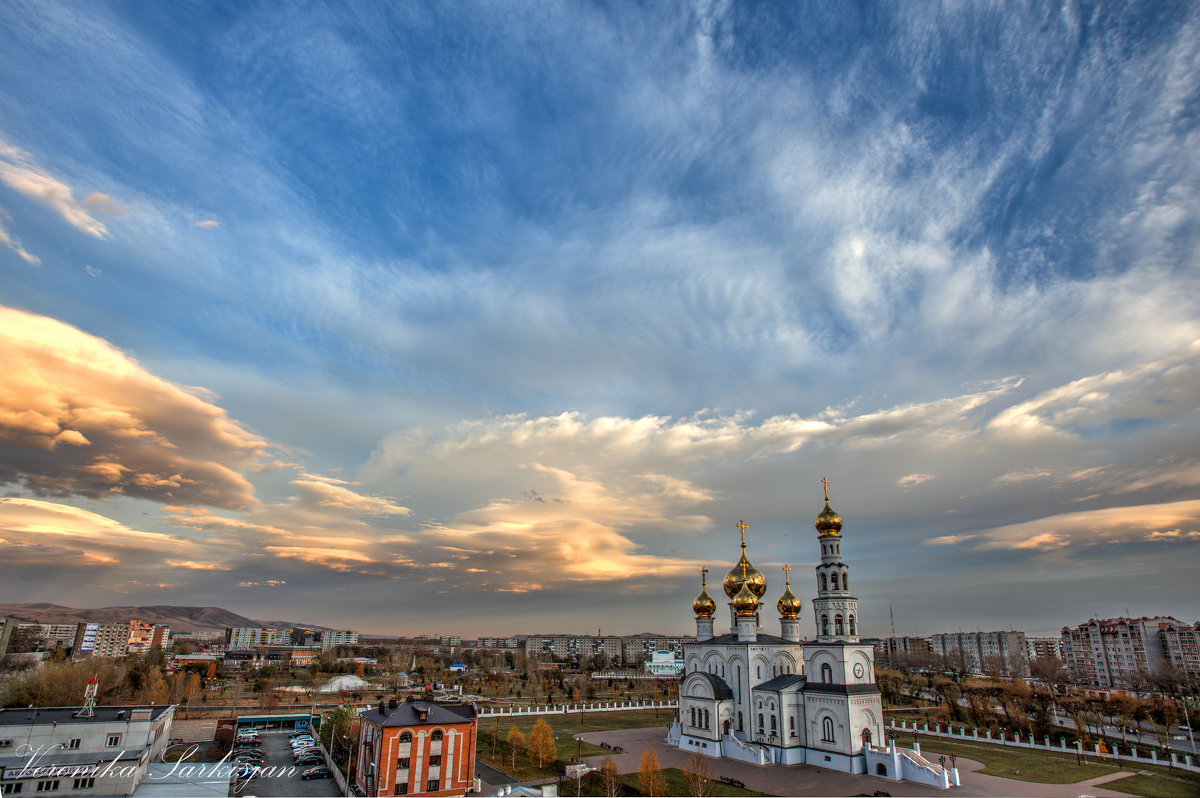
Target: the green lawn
pixel 1022 764
pixel 564 727
pixel 1046 767
pixel 1155 786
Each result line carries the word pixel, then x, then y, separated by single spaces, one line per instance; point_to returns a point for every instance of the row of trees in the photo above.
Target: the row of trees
pixel 1027 708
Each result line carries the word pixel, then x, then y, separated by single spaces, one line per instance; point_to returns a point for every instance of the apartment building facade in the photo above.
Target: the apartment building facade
pixel 1116 652
pixel 1003 653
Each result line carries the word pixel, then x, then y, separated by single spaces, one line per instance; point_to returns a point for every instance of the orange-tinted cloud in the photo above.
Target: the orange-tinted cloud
pixel 50 535
pixel 78 416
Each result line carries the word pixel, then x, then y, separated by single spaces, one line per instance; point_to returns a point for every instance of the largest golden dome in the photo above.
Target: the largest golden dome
pixel 828 522
pixel 743 574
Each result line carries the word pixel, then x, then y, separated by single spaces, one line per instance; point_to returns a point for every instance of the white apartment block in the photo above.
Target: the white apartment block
pixel 1181 644
pixel 59 751
pixel 646 645
pixel 333 638
pixel 498 642
pixel 1118 652
pixel 238 638
pixel 984 651
pixel 568 646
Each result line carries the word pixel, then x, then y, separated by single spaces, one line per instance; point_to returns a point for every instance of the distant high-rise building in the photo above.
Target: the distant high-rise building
pixel 644 646
pixel 570 646
pixel 1181 645
pixel 243 637
pixel 331 639
pixel 94 639
pixel 1116 652
pixel 999 653
pixel 1044 647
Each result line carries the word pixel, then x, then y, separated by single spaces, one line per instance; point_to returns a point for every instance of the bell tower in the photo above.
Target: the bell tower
pixel 835 610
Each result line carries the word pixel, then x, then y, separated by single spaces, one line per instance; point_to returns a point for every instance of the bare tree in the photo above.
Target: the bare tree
pixel 697 779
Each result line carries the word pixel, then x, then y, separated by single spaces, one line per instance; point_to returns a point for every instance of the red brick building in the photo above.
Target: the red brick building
pixel 416 747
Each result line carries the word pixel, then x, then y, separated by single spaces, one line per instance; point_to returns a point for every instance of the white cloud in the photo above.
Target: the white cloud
pixel 22 175
pixel 12 242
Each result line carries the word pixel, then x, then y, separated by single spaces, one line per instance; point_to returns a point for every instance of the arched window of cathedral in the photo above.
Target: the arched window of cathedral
pixel 852 631
pixel 845 580
pixel 406 737
pixel 837 625
pixel 824 624
pixel 823 581
pixel 760 723
pixel 707 716
pixel 740 722
pixel 792 725
pixel 693 724
pixel 827 730
pixel 758 671
pixel 826 673
pixel 773 727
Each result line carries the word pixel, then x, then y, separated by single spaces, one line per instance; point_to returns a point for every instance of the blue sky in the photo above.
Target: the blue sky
pixel 510 312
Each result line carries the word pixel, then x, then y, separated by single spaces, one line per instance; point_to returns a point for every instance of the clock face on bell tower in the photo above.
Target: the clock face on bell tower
pixel 858 670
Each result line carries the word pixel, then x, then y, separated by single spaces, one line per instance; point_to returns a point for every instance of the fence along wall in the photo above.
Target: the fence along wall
pixel 1185 762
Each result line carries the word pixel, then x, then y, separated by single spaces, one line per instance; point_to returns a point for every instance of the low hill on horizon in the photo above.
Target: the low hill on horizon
pixel 181 619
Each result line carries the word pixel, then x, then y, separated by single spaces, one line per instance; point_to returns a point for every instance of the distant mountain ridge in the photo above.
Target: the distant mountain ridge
pixel 180 619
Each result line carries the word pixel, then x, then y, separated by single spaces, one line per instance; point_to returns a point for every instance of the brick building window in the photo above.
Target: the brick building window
pixel 432 786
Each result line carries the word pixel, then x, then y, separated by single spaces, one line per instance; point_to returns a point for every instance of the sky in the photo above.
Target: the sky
pixel 495 318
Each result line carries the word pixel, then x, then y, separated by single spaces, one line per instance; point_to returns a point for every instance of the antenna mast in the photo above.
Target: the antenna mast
pixel 89 699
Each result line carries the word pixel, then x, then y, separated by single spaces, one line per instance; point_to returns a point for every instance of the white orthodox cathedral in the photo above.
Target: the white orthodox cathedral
pixel 774 699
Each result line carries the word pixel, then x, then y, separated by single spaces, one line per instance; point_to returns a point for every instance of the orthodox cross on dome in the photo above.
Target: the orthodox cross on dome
pixel 703 575
pixel 742 525
pixel 787 574
pixel 826 482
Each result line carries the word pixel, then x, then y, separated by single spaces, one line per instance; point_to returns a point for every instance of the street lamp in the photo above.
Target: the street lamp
pixel 349 752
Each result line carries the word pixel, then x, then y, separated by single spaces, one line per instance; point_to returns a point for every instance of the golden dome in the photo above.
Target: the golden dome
pixel 745 603
pixel 704 606
pixel 789 605
pixel 829 522
pixel 743 573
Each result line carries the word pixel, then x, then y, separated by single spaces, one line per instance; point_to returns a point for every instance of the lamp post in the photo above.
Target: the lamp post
pixel 349 752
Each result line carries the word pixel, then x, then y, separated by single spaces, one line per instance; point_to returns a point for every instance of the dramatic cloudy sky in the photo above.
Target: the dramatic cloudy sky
pixel 497 318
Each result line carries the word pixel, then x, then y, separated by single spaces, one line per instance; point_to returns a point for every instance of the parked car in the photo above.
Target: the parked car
pixel 246 771
pixel 301 733
pixel 299 752
pixel 311 759
pixel 303 744
pixel 319 772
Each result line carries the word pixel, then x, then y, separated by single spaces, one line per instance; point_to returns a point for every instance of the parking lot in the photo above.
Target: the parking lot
pixel 282 775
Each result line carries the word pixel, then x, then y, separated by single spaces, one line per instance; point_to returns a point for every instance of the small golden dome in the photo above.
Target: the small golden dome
pixel 789 605
pixel 745 603
pixel 829 522
pixel 704 606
